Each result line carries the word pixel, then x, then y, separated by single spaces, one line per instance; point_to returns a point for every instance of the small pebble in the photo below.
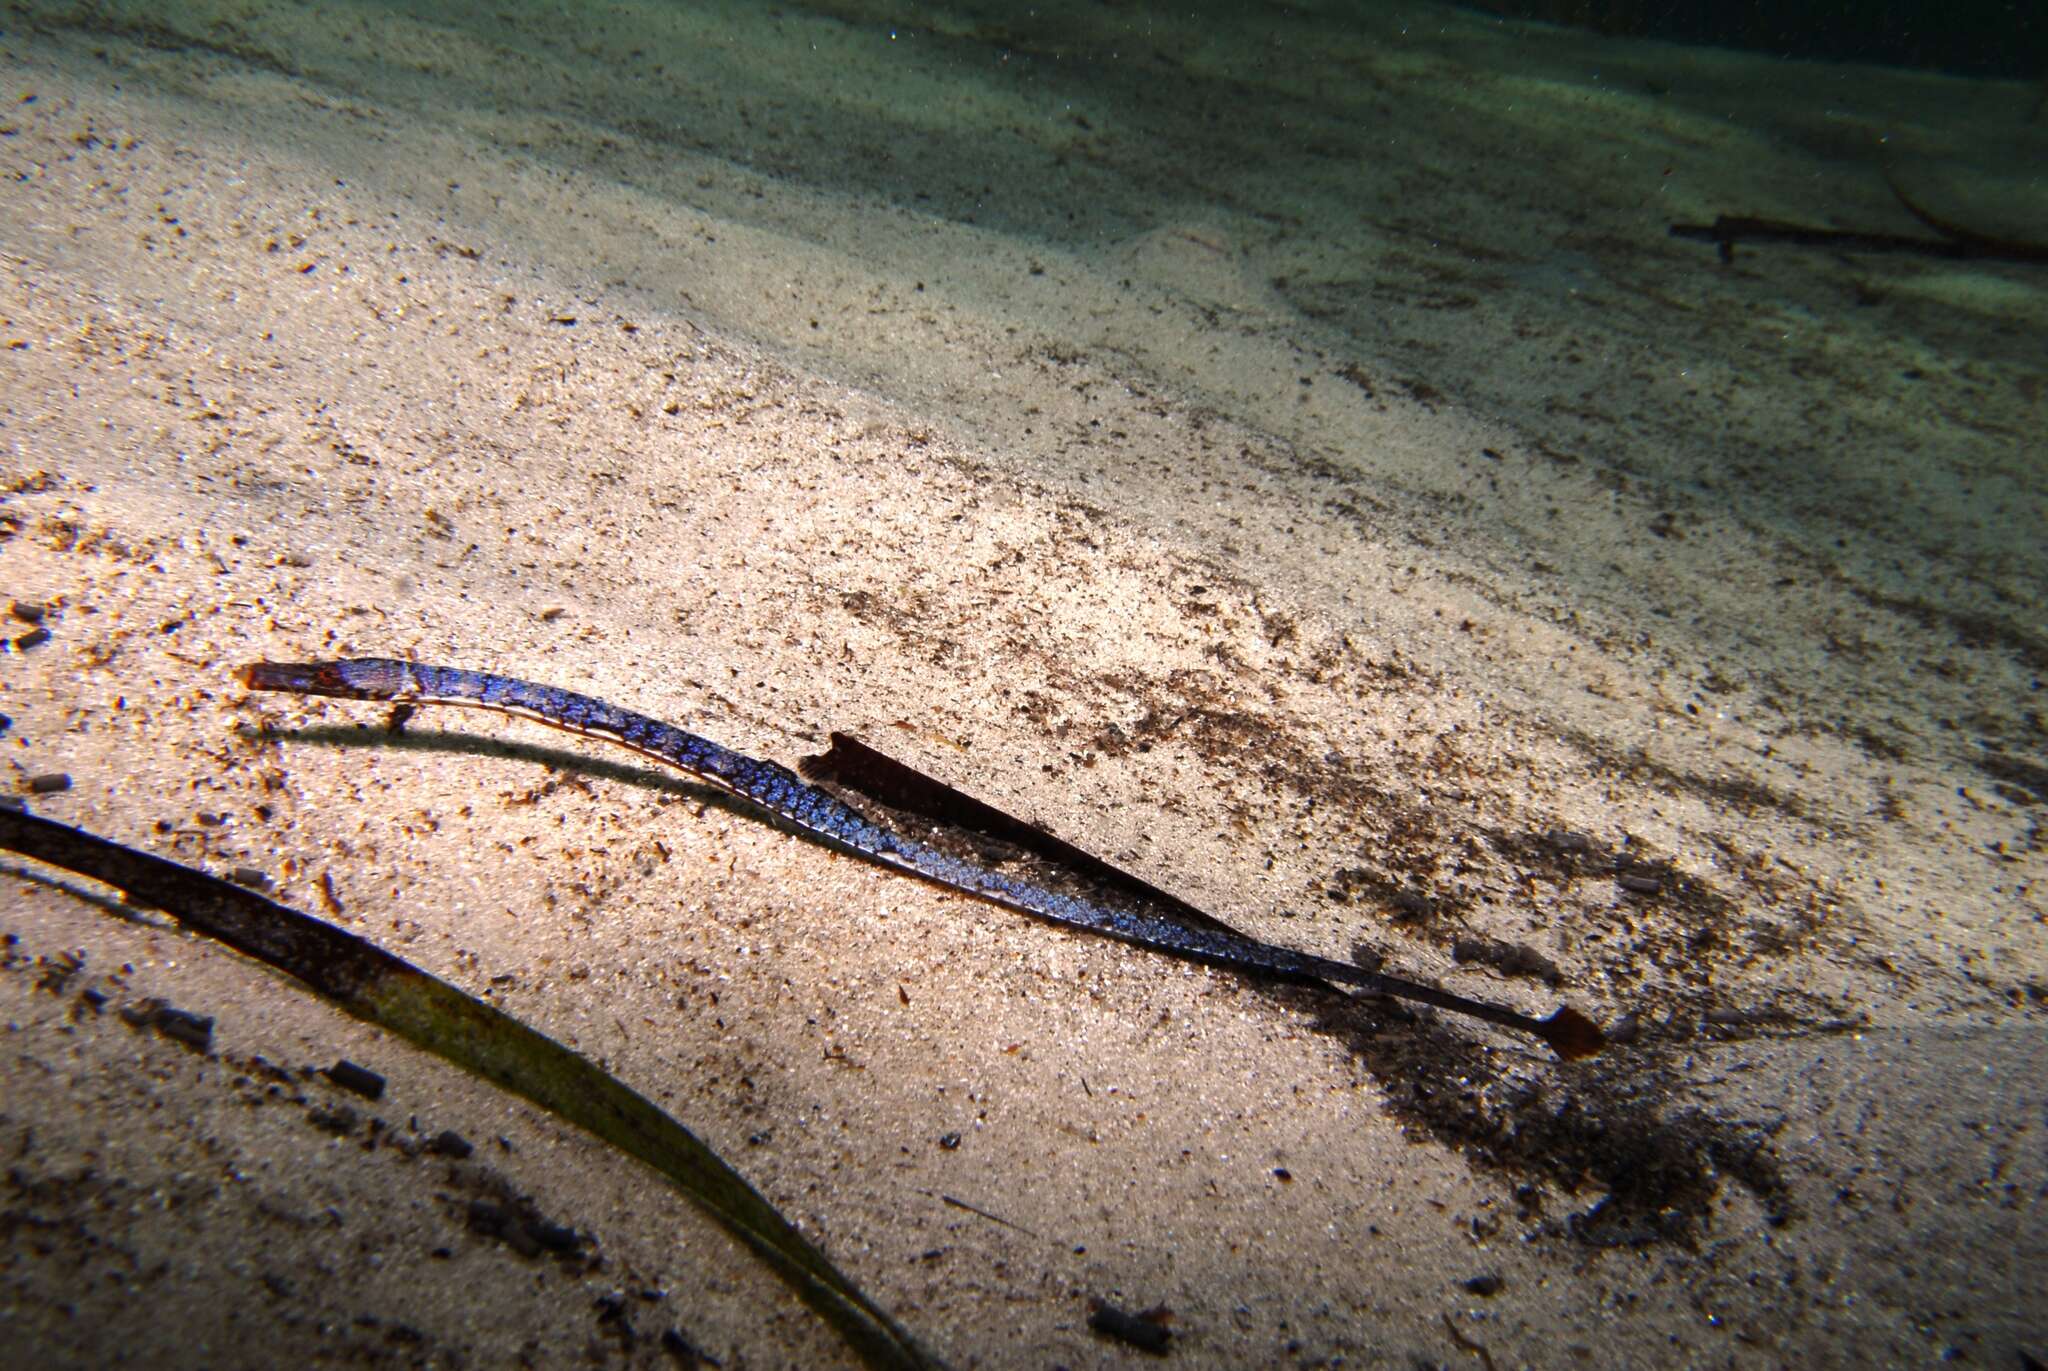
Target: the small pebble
pixel 29 611
pixel 35 637
pixel 449 1143
pixel 552 613
pixel 360 1079
pixel 193 1030
pixel 253 877
pixel 1625 1029
pixel 49 783
pixel 338 1121
pixel 1640 885
pixel 1487 1284
pixel 1148 1334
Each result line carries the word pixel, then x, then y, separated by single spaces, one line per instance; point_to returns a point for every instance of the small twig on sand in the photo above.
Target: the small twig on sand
pixel 1956 243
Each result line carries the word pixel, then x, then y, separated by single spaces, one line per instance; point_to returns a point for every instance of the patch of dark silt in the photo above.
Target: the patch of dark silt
pixel 1613 1135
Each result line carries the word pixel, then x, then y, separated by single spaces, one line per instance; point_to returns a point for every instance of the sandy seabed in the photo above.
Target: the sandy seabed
pixel 1283 454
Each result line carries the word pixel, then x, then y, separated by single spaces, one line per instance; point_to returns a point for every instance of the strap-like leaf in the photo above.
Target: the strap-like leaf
pixel 375 986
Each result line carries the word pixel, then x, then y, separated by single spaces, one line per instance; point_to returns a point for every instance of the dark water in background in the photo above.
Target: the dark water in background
pixel 2007 38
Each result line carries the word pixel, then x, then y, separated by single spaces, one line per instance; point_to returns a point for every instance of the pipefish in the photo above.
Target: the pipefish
pixel 782 794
